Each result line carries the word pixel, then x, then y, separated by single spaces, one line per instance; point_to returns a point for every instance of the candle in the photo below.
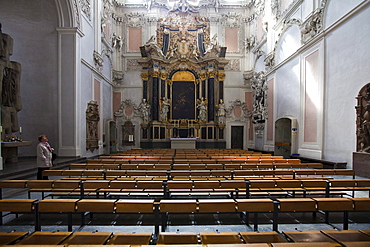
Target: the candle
pixel 20 130
pixel 1 128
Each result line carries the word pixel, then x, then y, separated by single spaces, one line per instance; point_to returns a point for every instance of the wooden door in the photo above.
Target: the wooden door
pixel 237 137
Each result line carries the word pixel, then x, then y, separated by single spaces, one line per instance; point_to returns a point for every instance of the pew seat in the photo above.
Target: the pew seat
pixel 166 238
pixel 220 238
pixel 45 238
pixel 262 237
pixel 10 237
pixel 123 238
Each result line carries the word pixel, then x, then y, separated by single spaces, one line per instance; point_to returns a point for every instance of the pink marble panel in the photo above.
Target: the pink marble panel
pixel 97 91
pixel 237 111
pixel 270 110
pixel 134 38
pixel 128 110
pixel 231 39
pixel 311 97
pixel 260 31
pixel 249 104
pixel 116 101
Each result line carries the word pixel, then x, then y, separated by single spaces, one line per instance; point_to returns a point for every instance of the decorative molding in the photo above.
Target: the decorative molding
pixel 121 113
pixel 231 20
pixel 117 77
pixel 106 14
pixel 233 65
pixel 77 14
pixel 86 8
pixel 135 19
pixel 312 26
pixel 133 65
pixel 246 114
pixel 270 60
pixel 98 60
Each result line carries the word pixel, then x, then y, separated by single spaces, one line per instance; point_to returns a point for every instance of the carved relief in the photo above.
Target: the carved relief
pixel 132 65
pixel 276 8
pixel 270 60
pixel 230 20
pixel 127 110
pixel 86 8
pixel 233 65
pixel 312 26
pixel 363 120
pixel 135 19
pixel 249 43
pixel 238 111
pixel 98 60
pixel 117 41
pixel 106 16
pixel 92 120
pixel 259 88
pixel 117 77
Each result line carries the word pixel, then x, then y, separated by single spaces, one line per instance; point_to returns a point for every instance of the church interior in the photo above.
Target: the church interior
pixel 186 122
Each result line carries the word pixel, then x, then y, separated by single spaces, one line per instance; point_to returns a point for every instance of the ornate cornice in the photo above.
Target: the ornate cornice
pixel 231 20
pixel 135 19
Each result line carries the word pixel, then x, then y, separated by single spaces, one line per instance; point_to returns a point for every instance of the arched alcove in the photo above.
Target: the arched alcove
pixel 285 136
pixel 288 44
pixel 335 9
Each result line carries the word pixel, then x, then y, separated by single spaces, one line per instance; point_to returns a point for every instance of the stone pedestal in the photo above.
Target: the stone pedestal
pixel 9 150
pixel 183 143
pixel 361 164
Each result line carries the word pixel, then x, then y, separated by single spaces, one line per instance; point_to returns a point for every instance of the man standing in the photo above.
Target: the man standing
pixel 44 156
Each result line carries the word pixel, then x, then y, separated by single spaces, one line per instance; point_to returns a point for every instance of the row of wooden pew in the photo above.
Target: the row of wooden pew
pixel 192 166
pixel 190 187
pixel 190 173
pixel 162 208
pixel 195 160
pixel 328 238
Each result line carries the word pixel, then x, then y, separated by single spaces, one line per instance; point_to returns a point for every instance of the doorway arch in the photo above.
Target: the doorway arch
pixel 286 136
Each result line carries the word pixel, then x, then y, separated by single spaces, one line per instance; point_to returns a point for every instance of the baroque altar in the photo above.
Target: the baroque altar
pixel 183 83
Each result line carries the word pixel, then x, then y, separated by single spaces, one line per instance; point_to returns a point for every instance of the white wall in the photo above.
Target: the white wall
pixel 347 71
pixel 32 24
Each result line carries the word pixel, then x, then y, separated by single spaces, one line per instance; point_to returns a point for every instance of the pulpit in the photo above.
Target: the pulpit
pixel 9 150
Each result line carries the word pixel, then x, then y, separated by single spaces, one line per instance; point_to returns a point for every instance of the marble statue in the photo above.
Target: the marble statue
pixel 144 108
pixel 165 107
pixel 202 107
pixel 221 112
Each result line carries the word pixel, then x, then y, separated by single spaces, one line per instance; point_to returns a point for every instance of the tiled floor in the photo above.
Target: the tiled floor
pixel 176 222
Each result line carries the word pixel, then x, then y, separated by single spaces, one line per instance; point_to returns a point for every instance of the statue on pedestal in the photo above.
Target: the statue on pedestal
pixel 165 107
pixel 202 107
pixel 144 109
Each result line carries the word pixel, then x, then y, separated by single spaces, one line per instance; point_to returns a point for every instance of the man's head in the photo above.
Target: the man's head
pixel 43 138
